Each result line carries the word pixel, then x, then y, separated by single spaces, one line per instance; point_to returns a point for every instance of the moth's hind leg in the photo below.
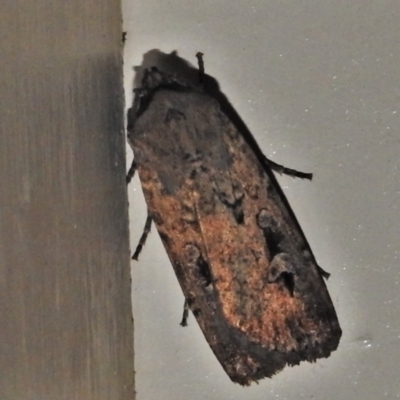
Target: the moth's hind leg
pixel 185 313
pixel 131 172
pixel 143 238
pixel 280 169
pixel 147 225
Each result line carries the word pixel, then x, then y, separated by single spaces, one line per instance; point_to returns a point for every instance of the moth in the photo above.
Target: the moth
pixel 244 265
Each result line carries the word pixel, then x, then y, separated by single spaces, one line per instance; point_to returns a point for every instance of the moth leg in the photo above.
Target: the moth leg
pixel 143 238
pixel 325 274
pixel 185 313
pixel 280 169
pixel 131 172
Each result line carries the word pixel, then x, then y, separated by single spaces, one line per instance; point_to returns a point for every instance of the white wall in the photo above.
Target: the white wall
pixel 318 84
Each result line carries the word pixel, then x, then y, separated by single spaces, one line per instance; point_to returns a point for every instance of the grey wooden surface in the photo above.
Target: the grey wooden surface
pixel 65 308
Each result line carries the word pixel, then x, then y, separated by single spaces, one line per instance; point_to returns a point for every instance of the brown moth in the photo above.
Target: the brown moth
pixel 244 265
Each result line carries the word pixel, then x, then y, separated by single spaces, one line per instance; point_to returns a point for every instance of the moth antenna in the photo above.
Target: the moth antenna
pixel 200 62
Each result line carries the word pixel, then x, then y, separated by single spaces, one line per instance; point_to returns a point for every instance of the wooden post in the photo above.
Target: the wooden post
pixel 65 305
